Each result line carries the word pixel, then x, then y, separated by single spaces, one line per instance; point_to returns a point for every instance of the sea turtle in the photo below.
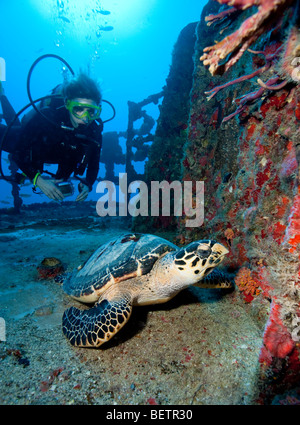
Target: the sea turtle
pixel 135 269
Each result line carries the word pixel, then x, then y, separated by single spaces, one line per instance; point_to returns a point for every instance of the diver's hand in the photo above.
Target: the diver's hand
pixel 84 191
pixel 49 189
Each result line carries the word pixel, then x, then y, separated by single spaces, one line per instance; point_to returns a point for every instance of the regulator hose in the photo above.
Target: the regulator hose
pixel 33 104
pixel 50 55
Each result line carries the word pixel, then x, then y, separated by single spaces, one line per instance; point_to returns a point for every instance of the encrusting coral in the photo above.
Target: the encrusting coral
pixel 235 44
pixel 289 63
pixel 247 284
pixel 261 200
pixel 280 279
pixel 283 63
pixel 49 268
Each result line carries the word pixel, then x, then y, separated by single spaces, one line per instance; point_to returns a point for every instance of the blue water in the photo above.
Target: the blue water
pixel 128 50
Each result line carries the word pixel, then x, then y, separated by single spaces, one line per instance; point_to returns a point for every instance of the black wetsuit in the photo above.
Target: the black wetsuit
pixel 74 149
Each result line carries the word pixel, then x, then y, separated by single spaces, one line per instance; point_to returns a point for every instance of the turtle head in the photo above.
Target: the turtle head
pixel 196 260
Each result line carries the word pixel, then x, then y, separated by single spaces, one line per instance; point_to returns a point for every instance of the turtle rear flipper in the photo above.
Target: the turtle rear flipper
pixel 93 327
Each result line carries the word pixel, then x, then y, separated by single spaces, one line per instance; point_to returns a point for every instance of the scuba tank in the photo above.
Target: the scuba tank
pixel 53 101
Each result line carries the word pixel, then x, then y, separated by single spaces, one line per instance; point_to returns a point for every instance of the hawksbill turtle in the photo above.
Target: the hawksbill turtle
pixel 130 270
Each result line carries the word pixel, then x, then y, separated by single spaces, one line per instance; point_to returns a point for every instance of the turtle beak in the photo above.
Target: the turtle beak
pixel 220 249
pixel 218 252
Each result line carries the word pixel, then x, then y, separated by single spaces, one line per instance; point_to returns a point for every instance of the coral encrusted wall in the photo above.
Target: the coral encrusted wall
pixel 243 141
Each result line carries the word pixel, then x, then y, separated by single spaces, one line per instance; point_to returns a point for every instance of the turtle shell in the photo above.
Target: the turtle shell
pixel 122 258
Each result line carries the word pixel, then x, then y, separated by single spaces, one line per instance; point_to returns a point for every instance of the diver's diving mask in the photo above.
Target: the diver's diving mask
pixel 82 110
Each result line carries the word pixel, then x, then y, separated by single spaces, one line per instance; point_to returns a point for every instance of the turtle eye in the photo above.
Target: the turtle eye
pixel 203 251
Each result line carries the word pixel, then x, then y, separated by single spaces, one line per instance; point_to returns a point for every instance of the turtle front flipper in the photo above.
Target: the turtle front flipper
pixel 93 327
pixel 216 279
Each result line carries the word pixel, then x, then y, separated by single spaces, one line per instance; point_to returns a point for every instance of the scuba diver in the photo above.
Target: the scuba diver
pixel 73 142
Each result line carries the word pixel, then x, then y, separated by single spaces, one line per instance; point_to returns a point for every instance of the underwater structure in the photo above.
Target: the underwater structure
pixel 166 153
pixel 138 139
pixel 231 118
pixel 111 153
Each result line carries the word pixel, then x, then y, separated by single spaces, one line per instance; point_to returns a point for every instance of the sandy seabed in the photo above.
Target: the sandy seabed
pixel 201 348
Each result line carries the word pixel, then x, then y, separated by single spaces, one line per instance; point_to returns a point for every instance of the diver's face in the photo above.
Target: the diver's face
pixel 84 120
